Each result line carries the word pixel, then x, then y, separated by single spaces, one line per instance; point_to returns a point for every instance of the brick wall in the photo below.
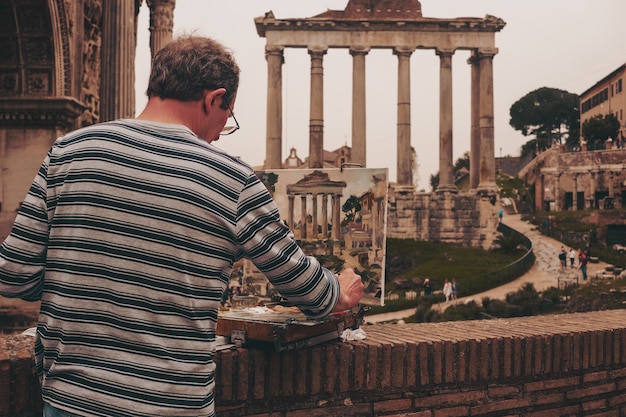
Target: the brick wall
pixel 562 365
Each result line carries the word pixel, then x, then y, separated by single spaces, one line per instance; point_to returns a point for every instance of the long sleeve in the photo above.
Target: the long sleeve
pixel 270 245
pixel 23 253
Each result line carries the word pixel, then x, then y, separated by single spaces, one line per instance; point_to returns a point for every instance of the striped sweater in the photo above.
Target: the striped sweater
pixel 128 236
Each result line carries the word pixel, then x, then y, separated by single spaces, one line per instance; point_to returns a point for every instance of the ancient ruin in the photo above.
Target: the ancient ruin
pixel 400 27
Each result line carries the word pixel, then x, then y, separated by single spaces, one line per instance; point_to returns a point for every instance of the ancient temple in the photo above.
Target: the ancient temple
pixel 400 27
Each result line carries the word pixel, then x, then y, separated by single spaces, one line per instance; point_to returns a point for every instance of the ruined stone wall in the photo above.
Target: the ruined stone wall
pixel 463 219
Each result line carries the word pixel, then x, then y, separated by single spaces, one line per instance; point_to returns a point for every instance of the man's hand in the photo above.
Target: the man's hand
pixel 351 290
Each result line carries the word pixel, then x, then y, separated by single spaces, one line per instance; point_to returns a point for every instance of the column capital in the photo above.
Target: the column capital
pixel 445 52
pixel 274 49
pixel 317 50
pixel 359 50
pixel 486 52
pixel 403 50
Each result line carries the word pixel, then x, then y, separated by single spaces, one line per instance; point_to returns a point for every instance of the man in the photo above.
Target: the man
pixel 128 236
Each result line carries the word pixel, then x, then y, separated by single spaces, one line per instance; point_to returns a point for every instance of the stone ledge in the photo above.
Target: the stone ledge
pixel 545 365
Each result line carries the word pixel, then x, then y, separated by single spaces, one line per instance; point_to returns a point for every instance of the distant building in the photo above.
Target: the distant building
pixel 605 97
pixel 332 159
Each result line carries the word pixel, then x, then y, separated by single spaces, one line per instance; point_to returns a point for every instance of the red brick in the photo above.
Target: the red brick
pixel 393 405
pixel 331 369
pixel 567 353
pixel 373 355
pixel 452 412
pixel 543 399
pixel 528 355
pixel 354 410
pixel 622 345
pixel 595 349
pixel 595 376
pixel 474 360
pixel 462 366
pixel 610 413
pixel 596 405
pixel 411 366
pixel 417 414
pixel 496 358
pixel 398 364
pixel 548 346
pixel 507 357
pixel 572 410
pixel 518 357
pixel 552 384
pixel 451 399
pixel 617 340
pixel 495 406
pixel 616 400
pixel 437 362
pixel 557 341
pixel 485 360
pixel 577 356
pixel 590 391
pixel 538 355
pixel 450 362
pixel 502 392
pixel 345 367
pixel 385 368
pixel 360 363
pixel 424 359
pixel 587 353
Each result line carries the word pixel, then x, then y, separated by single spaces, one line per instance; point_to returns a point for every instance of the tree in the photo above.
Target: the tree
pixel 351 208
pixel 598 129
pixel 550 115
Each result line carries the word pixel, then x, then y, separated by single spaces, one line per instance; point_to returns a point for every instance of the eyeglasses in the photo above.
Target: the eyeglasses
pixel 229 130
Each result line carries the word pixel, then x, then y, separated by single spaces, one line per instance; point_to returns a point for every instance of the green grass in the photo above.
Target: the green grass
pixel 473 268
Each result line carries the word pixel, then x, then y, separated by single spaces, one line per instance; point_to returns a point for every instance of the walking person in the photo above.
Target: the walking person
pixel 583 266
pixel 128 236
pixel 447 290
pixel 455 289
pixel 572 258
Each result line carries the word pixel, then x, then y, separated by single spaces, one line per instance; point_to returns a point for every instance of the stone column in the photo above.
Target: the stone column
pixel 161 23
pixel 591 200
pixel 557 192
pixel 575 192
pixel 404 176
pixel 336 216
pixel 117 86
pixel 446 177
pixel 274 125
pixel 290 213
pixel 324 216
pixel 303 217
pixel 316 124
pixel 475 129
pixel 487 168
pixel 359 152
pixel 314 233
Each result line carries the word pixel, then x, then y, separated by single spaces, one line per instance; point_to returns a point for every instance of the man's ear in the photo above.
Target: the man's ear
pixel 214 98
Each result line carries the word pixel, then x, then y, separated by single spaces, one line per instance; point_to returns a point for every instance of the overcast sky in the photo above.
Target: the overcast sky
pixel 565 44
